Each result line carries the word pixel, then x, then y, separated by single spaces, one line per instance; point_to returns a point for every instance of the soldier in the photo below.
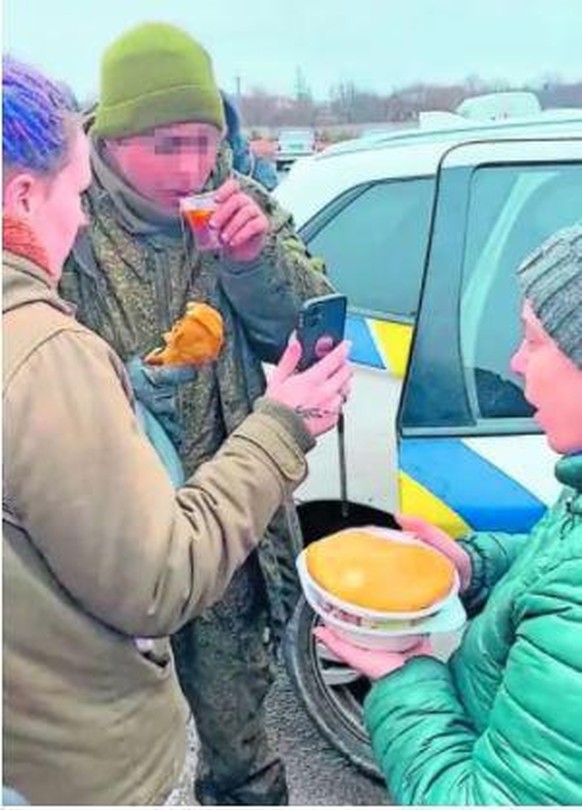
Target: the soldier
pixel 157 135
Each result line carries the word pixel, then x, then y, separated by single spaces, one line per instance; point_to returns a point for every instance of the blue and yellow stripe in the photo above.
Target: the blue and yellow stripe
pixel 380 344
pixel 450 484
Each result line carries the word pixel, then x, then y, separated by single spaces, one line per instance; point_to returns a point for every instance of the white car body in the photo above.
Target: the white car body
pixel 375 474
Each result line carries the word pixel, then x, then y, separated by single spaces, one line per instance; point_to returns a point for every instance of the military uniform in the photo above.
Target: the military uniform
pixel 130 276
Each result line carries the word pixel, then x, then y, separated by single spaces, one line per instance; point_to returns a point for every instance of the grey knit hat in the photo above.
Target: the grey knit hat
pixel 551 280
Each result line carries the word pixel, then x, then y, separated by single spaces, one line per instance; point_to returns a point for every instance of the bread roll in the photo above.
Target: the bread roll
pixel 194 339
pixel 373 572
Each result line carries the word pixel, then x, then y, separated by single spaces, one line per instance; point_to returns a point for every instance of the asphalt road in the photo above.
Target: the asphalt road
pixel 316 773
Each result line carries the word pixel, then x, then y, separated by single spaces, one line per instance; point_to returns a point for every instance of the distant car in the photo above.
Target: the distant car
pixel 293 144
pixel 500 106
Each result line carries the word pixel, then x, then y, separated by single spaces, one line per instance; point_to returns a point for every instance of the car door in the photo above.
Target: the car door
pixel 470 454
pixel 374 239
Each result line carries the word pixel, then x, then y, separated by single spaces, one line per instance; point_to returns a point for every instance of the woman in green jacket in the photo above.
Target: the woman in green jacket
pixel 501 722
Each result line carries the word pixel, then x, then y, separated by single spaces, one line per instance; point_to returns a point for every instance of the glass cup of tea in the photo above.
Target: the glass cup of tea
pixel 197 210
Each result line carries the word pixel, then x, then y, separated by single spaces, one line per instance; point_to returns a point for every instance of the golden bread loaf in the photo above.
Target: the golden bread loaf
pixel 194 339
pixel 374 572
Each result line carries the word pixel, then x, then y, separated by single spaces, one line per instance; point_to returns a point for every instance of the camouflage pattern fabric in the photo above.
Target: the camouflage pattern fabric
pixel 225 665
pixel 130 276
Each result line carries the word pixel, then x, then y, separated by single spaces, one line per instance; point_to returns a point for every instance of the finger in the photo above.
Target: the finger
pixel 439 540
pixel 431 534
pixel 229 208
pixel 330 389
pixel 323 346
pixel 410 523
pixel 372 663
pixel 338 647
pixel 333 407
pixel 329 364
pixel 288 362
pixel 237 222
pixel 226 190
pixel 226 210
pixel 255 229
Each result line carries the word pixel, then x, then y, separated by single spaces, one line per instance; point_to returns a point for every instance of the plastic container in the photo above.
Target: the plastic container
pixel 399 537
pixel 372 630
pixel 196 211
pixel 449 619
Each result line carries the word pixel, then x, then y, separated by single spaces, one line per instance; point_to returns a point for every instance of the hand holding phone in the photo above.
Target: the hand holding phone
pixel 321 327
pixel 317 394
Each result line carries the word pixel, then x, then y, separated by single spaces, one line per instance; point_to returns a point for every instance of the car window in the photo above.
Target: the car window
pixel 511 211
pixel 296 134
pixel 375 246
pixel 488 220
pixel 300 137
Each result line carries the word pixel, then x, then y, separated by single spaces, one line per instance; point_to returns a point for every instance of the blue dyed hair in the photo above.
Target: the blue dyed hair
pixel 37 117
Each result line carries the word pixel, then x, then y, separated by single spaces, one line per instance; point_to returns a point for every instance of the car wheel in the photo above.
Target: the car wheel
pixel 331 692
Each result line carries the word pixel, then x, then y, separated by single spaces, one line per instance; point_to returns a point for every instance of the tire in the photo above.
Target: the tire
pixel 335 710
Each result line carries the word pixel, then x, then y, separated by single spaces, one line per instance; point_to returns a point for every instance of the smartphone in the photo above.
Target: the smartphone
pixel 321 327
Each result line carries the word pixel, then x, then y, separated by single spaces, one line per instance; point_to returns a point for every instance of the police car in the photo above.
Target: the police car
pixel 423 230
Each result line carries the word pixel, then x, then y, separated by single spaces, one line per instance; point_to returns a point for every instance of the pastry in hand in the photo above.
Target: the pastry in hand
pixel 373 572
pixel 196 338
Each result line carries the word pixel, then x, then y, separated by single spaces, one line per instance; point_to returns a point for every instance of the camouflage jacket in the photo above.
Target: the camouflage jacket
pixel 132 272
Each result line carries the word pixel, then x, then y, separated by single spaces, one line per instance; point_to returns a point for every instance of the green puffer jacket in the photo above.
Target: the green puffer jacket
pixel 501 723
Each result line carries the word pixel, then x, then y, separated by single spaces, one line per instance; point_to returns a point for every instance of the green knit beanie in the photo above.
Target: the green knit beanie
pixel 152 75
pixel 551 279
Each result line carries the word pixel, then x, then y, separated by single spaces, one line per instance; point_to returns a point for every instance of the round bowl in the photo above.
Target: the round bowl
pixel 393 636
pixel 365 613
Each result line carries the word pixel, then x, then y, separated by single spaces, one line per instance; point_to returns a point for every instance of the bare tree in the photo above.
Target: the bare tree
pixel 350 105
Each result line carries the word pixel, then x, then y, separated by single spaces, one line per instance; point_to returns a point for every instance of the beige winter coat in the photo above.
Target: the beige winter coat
pixel 99 550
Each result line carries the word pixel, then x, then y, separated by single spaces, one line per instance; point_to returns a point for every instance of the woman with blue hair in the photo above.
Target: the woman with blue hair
pixel 102 559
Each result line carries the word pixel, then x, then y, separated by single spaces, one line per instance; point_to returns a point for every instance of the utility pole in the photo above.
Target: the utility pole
pixel 302 91
pixel 237 80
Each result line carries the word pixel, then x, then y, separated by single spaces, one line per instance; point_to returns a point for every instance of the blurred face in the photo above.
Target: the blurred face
pixel 51 206
pixel 168 162
pixel 553 385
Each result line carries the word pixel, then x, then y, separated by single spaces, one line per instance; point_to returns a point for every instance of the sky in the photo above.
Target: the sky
pixel 378 44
